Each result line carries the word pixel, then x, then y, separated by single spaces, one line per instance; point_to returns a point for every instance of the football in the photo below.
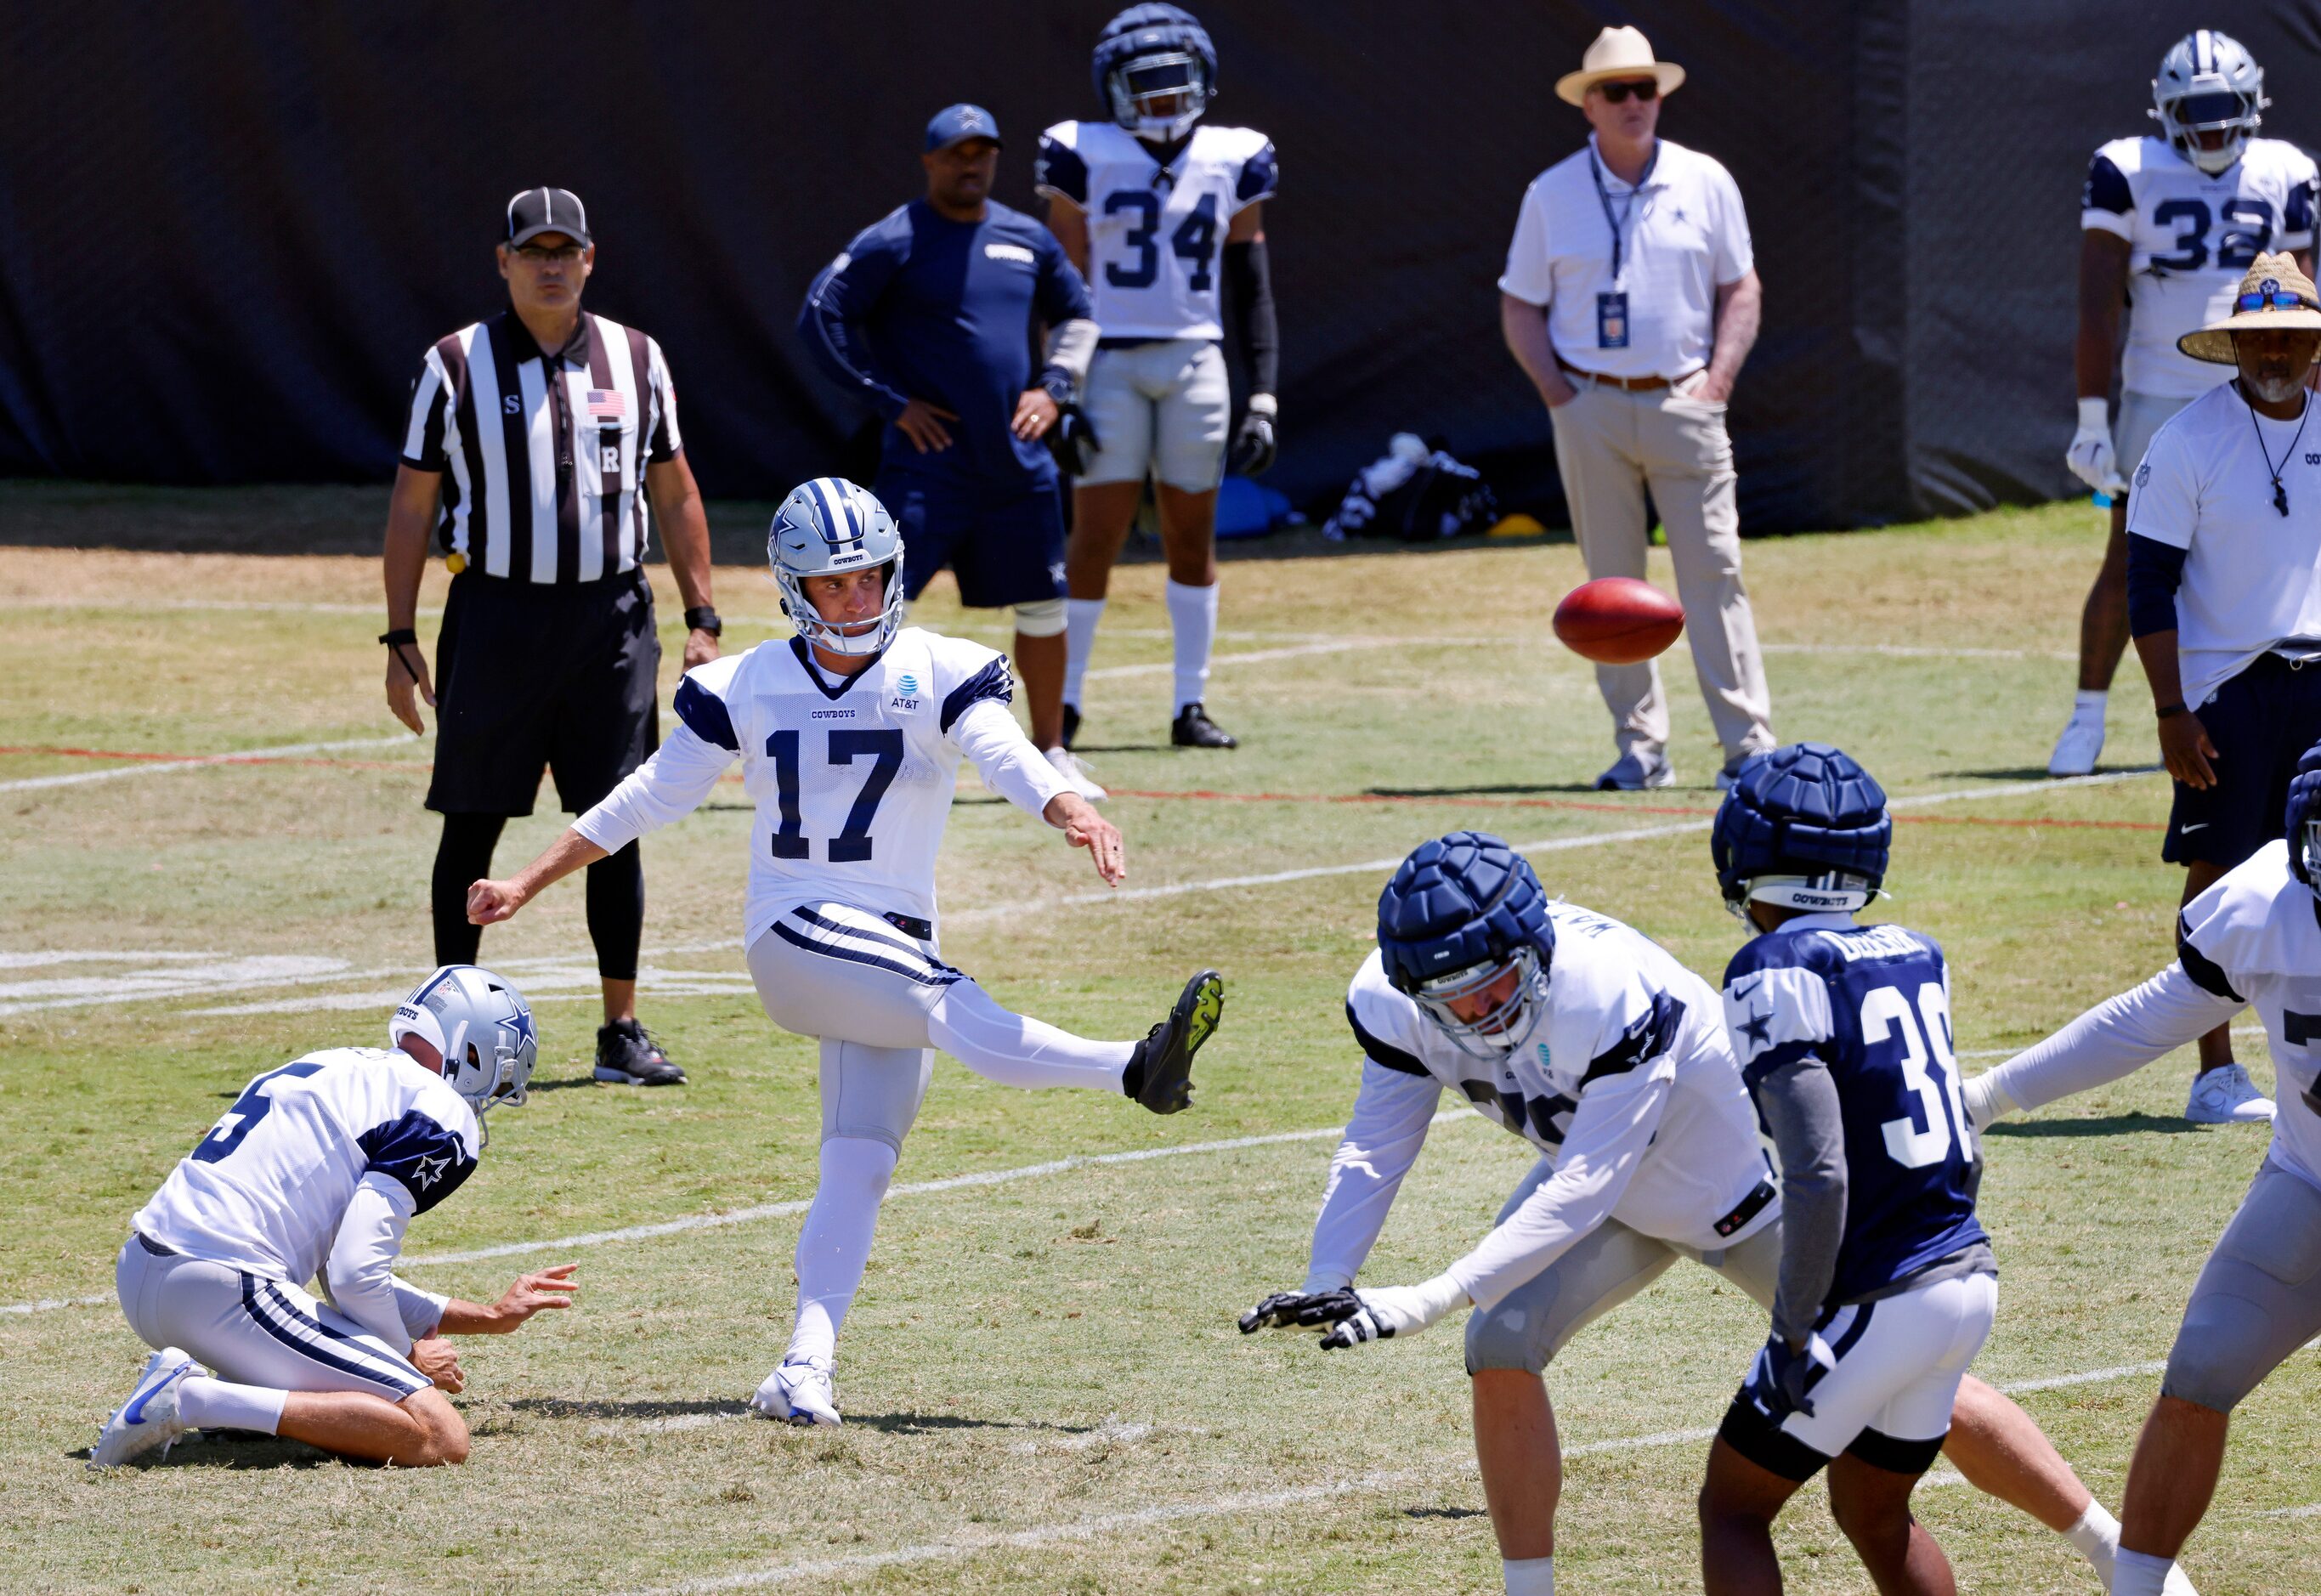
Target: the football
pixel 1617 620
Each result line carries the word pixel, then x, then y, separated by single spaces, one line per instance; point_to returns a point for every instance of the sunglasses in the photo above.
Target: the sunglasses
pixel 2276 301
pixel 564 256
pixel 1616 92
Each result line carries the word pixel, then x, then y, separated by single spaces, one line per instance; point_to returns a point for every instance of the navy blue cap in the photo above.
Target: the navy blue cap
pixel 952 123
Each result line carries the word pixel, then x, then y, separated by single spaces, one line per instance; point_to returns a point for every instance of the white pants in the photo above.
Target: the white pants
pixel 252 1330
pixel 1899 1363
pixel 1159 410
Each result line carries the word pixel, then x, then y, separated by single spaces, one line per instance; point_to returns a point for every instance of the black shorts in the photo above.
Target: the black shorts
pixel 2261 722
pixel 1003 542
pixel 529 675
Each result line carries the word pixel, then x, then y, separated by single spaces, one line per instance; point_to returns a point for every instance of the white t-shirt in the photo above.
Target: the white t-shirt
pixel 2252 576
pixel 2193 238
pixel 1686 236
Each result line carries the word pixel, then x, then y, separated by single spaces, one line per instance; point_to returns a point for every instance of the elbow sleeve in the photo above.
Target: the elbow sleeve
pixel 1250 276
pixel 2154 571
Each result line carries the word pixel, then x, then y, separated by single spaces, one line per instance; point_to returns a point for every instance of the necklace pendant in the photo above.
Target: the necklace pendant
pixel 2279 497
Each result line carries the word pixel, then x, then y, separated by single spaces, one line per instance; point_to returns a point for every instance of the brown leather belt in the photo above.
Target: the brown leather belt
pixel 1634 385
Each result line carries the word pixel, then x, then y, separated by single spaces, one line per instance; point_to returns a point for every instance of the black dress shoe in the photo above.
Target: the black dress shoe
pixel 1193 728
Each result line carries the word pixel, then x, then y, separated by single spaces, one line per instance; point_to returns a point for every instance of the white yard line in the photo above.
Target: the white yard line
pixel 2311 1510
pixel 1906 652
pixel 159 767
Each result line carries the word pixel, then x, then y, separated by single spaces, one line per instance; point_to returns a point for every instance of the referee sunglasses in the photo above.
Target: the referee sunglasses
pixel 2282 300
pixel 1647 88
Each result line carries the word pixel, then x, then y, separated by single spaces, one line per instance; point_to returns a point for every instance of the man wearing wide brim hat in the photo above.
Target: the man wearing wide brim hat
pixel 1630 299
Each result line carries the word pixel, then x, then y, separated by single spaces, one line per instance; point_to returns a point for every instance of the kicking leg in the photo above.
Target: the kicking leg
pixel 1873 1506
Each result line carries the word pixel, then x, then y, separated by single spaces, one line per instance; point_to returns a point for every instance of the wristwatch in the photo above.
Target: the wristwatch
pixel 702 617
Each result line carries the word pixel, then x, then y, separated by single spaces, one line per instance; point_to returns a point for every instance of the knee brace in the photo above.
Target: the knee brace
pixel 1043 619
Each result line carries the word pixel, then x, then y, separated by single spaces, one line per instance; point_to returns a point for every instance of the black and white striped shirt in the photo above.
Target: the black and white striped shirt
pixel 544 481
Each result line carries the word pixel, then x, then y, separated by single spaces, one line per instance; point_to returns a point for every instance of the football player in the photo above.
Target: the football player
pixel 1589 1041
pixel 2252 939
pixel 2169 224
pixel 317 1169
pixel 850 736
pixel 1161 211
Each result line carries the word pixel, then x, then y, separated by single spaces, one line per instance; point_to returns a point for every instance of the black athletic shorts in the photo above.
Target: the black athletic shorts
pixel 2261 722
pixel 530 675
pixel 1003 542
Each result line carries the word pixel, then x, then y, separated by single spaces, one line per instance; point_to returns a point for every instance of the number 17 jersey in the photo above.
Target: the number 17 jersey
pixel 1871 1004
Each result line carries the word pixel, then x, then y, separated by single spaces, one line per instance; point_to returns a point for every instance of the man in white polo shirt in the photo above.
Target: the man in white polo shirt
pixel 1630 299
pixel 2224 599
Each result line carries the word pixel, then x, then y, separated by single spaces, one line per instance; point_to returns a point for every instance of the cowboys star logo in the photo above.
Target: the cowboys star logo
pixel 428 1170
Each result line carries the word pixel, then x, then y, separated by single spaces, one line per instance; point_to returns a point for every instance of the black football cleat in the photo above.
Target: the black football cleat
pixel 627 1055
pixel 1071 723
pixel 1163 1065
pixel 1193 728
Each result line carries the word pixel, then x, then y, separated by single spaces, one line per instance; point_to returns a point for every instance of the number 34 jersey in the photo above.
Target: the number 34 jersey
pixel 1156 234
pixel 265 1190
pixel 2192 238
pixel 1871 1004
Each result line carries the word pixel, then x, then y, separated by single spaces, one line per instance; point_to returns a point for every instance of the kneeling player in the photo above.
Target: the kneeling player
pixel 1591 1041
pixel 850 736
pixel 2253 938
pixel 316 1170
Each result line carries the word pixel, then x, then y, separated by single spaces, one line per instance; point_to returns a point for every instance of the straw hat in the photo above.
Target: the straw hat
pixel 2272 274
pixel 1617 52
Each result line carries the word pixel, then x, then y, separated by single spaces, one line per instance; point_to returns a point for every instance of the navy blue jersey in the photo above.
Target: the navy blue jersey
pixel 1871 1004
pixel 919 306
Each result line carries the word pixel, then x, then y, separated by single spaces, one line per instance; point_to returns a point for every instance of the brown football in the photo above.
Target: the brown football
pixel 1617 620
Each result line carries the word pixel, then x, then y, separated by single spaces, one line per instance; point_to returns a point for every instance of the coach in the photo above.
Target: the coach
pixel 927 315
pixel 554 426
pixel 1630 300
pixel 2224 599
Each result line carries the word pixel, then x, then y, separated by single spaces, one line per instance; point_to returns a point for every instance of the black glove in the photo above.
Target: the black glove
pixel 1253 445
pixel 1778 1383
pixel 1072 440
pixel 1301 1309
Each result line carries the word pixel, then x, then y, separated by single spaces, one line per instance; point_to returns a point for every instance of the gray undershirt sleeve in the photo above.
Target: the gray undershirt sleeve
pixel 1071 349
pixel 1800 1106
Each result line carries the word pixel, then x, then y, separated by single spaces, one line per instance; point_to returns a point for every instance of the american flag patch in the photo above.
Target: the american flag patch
pixel 607 404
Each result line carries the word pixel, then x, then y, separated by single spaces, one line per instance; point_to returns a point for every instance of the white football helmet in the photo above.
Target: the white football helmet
pixel 2208 83
pixel 480 1025
pixel 826 527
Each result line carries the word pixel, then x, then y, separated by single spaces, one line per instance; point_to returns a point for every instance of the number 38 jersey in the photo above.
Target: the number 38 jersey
pixel 2192 237
pixel 265 1190
pixel 1871 1004
pixel 1156 234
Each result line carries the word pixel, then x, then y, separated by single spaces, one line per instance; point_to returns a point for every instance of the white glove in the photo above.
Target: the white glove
pixel 1986 1102
pixel 1388 1312
pixel 2090 455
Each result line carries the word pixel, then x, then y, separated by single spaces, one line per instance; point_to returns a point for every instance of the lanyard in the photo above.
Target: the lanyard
pixel 1603 197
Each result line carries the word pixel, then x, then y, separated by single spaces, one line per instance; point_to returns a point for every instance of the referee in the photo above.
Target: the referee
pixel 553 427
pixel 2224 599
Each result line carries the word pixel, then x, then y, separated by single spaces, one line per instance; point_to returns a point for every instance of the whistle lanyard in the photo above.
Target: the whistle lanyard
pixel 1618 221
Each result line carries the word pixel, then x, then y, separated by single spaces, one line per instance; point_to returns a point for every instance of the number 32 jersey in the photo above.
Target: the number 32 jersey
pixel 2192 238
pixel 1156 234
pixel 1871 1004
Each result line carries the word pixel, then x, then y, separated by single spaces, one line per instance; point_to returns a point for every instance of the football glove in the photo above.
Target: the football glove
pixel 1377 1313
pixel 1778 1383
pixel 1073 440
pixel 2090 455
pixel 1253 445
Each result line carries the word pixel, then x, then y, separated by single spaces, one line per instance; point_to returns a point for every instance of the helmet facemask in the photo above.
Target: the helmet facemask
pixel 854 639
pixel 1504 1027
pixel 1159 97
pixel 2208 83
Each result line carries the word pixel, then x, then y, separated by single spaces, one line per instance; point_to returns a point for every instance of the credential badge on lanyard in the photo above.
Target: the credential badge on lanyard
pixel 1612 307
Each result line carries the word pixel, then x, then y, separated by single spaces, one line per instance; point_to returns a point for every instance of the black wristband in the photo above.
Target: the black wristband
pixel 400 634
pixel 702 617
pixel 2170 711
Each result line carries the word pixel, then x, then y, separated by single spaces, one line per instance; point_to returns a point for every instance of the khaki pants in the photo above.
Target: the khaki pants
pixel 1611 445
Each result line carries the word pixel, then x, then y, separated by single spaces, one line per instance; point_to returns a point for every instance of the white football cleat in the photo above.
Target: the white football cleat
pixel 799 1393
pixel 2077 749
pixel 148 1418
pixel 2226 1095
pixel 1074 774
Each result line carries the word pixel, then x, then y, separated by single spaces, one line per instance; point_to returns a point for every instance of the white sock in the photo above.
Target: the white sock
pixel 1016 1050
pixel 1080 618
pixel 206 1404
pixel 2139 1574
pixel 1192 626
pixel 2090 703
pixel 2096 1536
pixel 835 1243
pixel 1529 1576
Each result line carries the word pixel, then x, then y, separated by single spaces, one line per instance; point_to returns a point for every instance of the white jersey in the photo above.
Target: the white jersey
pixel 265 1190
pixel 2255 938
pixel 852 777
pixel 2193 237
pixel 1156 235
pixel 1626 1081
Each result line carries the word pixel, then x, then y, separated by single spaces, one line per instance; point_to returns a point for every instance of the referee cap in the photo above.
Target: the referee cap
pixel 955 124
pixel 536 211
pixel 2274 296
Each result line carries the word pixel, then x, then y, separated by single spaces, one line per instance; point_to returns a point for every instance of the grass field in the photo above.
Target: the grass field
pixel 1044 1390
